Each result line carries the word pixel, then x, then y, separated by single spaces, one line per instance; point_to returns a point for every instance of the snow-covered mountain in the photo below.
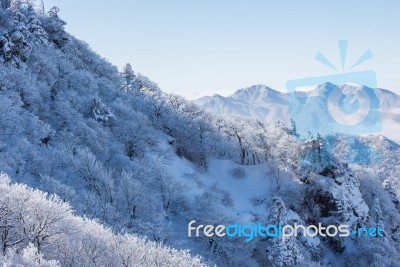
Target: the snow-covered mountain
pixel 326 109
pixel 258 101
pixel 100 167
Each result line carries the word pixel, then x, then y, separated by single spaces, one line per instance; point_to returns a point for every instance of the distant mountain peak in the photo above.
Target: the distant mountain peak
pixel 254 89
pixel 268 105
pixel 258 93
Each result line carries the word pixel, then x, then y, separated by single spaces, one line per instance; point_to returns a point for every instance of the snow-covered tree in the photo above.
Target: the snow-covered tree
pixel 14 49
pixel 145 162
pixel 281 252
pixel 54 27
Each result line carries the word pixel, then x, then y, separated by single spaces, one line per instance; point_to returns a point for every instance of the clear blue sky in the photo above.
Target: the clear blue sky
pixel 203 47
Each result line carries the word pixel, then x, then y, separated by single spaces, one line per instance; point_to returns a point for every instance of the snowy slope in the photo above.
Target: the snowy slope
pixel 143 163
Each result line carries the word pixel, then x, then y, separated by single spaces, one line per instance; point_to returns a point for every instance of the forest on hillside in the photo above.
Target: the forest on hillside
pixel 100 167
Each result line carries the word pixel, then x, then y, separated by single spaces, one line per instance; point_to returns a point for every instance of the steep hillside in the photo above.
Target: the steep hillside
pixel 39 225
pixel 137 165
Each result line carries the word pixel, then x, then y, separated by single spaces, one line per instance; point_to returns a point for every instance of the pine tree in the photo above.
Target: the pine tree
pixel 54 27
pixel 34 27
pixel 128 76
pixel 14 48
pixel 293 130
pixel 130 81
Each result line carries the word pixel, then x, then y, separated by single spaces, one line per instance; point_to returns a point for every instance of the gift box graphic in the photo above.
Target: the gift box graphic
pixel 332 108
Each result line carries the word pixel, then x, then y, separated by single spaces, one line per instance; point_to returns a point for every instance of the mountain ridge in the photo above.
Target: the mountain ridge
pixel 268 105
pixel 137 165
